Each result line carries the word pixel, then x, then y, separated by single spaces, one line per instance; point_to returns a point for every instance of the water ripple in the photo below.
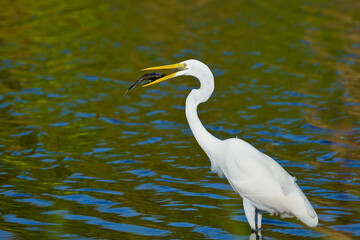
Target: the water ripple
pixel 10 218
pixel 167 189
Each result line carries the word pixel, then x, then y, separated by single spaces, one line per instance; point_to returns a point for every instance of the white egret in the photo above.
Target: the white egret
pixel 261 182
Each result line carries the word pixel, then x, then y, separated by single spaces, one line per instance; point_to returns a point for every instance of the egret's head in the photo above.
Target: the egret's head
pixel 187 67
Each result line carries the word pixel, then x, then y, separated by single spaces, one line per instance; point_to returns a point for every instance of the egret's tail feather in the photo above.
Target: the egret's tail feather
pixel 309 221
pixel 308 216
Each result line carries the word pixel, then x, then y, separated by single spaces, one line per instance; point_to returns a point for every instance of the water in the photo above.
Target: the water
pixel 80 161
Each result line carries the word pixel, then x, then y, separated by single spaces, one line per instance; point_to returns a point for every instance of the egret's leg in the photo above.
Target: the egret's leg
pixel 258 218
pixel 249 213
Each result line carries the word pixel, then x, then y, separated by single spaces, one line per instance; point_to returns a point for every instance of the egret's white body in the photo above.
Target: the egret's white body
pixel 262 183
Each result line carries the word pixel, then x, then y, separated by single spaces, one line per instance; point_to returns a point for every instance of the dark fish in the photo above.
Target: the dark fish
pixel 150 77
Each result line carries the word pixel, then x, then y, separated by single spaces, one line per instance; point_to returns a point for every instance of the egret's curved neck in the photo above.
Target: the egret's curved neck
pixel 207 141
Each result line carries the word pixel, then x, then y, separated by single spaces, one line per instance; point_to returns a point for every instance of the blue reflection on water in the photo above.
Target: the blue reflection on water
pixel 149 141
pixel 121 227
pixel 142 172
pixel 181 224
pixel 13 219
pixel 213 233
pixel 6 235
pixel 36 201
pixel 353 228
pixel 167 189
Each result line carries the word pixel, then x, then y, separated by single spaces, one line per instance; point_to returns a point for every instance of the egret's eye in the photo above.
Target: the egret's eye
pixel 183 67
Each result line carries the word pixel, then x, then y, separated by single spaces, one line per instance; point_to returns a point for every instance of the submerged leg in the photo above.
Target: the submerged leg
pixel 258 218
pixel 249 213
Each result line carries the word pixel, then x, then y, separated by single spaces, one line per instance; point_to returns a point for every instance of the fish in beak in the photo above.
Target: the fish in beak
pixel 178 66
pixel 154 78
pixel 150 77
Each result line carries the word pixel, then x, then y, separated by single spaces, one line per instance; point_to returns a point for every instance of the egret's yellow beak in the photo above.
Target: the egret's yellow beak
pixel 179 66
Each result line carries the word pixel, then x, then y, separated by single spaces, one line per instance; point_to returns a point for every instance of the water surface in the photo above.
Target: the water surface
pixel 80 161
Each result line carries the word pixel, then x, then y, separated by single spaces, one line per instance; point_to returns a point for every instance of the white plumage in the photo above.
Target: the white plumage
pixel 262 183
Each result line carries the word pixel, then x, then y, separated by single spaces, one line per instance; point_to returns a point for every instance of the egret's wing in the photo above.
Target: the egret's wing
pixel 254 173
pixel 262 180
